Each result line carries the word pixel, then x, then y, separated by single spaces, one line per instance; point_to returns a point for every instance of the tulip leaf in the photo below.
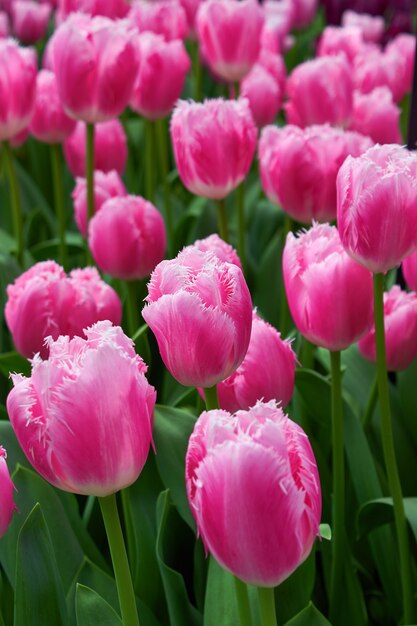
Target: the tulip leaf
pixel 325 532
pixel 15 454
pixel 220 605
pixel 92 609
pixel 39 597
pixel 310 616
pixel 172 430
pixel 376 513
pixel 293 594
pixel 11 362
pixel 173 540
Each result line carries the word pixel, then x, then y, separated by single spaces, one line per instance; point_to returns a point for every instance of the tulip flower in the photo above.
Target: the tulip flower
pixel 114 9
pixel 400 318
pixel 409 267
pixel 348 41
pixel 7 507
pixel 49 122
pixel 329 294
pixel 222 250
pixel 229 33
pixel 371 26
pixel 254 491
pixel 404 45
pixel 110 148
pixel 303 12
pixel 266 373
pixel 375 114
pixel 106 185
pixel 263 93
pixel 299 167
pixel 127 237
pixel 30 20
pixel 320 91
pixel 377 206
pixel 164 17
pixel 44 301
pixel 200 311
pixel 374 68
pixel 160 79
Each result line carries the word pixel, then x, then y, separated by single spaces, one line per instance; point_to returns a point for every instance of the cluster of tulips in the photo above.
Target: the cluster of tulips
pixel 252 478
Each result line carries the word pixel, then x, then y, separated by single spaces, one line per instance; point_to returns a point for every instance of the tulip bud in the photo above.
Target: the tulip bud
pixel 96 388
pixel 49 122
pixel 254 491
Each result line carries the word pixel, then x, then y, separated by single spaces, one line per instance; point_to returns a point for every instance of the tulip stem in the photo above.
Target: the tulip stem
pixel 243 605
pixel 59 200
pixel 267 606
pixel 237 90
pixel 89 170
pixel 17 215
pixel 222 220
pixel 132 304
pixel 118 553
pixel 212 400
pixel 338 466
pixel 163 150
pixel 198 72
pixel 389 451
pixel 150 161
pixel 240 198
pixel 370 406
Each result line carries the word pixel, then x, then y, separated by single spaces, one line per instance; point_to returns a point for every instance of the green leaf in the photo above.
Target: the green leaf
pixel 220 605
pixel 92 609
pixel 39 597
pixel 13 362
pixel 294 593
pixel 310 616
pixel 170 549
pixel 172 430
pixel 376 513
pixel 325 532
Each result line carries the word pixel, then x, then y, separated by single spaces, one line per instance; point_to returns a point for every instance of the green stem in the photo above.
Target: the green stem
pixel 338 465
pixel 17 215
pixel 237 90
pixel 89 171
pixel 197 72
pixel 241 219
pixel 284 312
pixel 389 451
pixel 212 400
pixel 150 161
pixel 163 153
pixel 222 220
pixel 59 200
pixel 370 406
pixel 124 583
pixel 132 303
pixel 267 606
pixel 243 605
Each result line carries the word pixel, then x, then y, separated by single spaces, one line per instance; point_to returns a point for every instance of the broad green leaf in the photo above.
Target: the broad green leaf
pixel 407 398
pixel 13 362
pixel 92 609
pixel 310 616
pixel 39 597
pixel 295 592
pixel 15 454
pixel 376 513
pixel 173 539
pixel 220 605
pixel 268 281
pixel 172 430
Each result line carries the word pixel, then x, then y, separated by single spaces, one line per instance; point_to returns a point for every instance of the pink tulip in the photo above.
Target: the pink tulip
pixel 348 41
pixel 110 148
pixel 400 315
pixel 320 91
pixel 49 122
pixel 114 9
pixel 95 63
pixel 371 26
pixel 409 267
pixel 329 294
pixel 4 25
pixel 266 373
pixel 127 237
pixel 200 311
pixel 163 17
pixel 222 250
pixel 161 76
pixel 374 68
pixel 44 301
pixel 377 206
pixel 275 65
pixel 84 417
pixel 376 115
pixel 277 25
pixel 106 185
pixel 404 45
pixel 263 93
pixel 214 143
pixel 229 33
pixel 191 7
pixel 18 67
pixel 30 20
pixel 18 140
pixel 7 507
pixel 299 168
pixel 303 12
pixel 254 491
